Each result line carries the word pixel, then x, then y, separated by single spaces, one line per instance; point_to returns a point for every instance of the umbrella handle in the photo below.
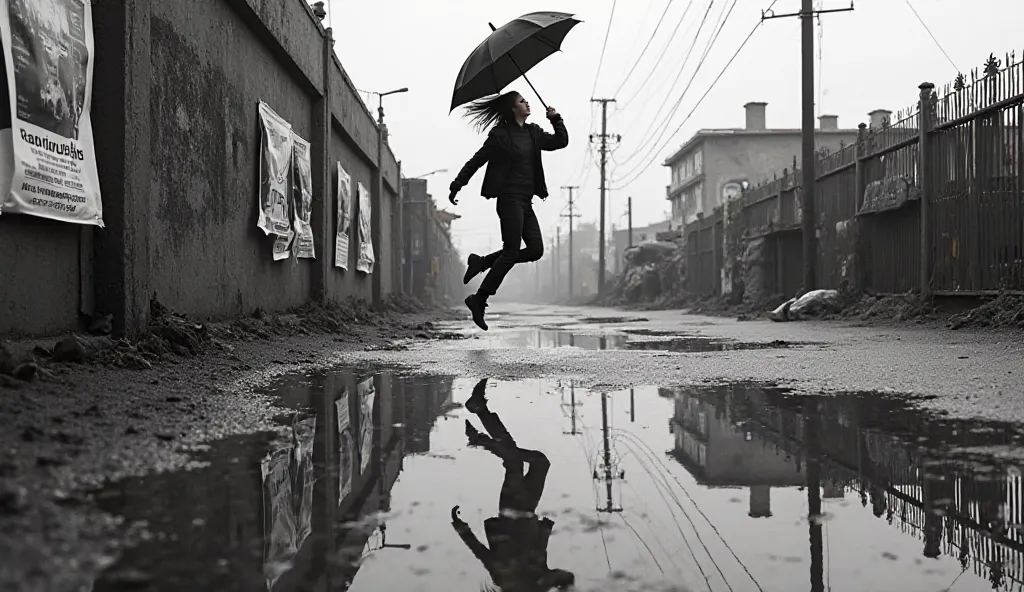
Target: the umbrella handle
pixel 534 89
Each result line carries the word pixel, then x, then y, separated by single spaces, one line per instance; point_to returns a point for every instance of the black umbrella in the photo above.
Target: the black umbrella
pixel 509 52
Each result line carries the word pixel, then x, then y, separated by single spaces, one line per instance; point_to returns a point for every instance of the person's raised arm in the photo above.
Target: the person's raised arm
pixel 557 140
pixel 479 550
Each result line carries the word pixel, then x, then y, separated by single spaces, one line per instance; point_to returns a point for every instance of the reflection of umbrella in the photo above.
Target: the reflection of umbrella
pixel 509 52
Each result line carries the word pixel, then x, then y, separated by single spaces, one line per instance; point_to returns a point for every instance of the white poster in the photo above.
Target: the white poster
pixel 302 192
pixel 366 260
pixel 275 216
pixel 47 156
pixel 346 447
pixel 366 393
pixel 344 228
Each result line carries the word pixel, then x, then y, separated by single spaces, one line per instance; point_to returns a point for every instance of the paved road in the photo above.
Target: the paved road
pixel 634 453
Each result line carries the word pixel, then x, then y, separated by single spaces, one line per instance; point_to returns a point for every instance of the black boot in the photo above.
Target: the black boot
pixel 476 304
pixel 474 267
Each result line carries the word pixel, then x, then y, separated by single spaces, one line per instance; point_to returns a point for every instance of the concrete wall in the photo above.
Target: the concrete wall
pixel 176 90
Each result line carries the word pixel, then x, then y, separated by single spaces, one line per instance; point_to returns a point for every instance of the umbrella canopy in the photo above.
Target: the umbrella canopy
pixel 509 52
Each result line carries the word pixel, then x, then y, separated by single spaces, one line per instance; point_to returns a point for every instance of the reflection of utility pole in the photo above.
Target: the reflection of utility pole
pixel 632 407
pixel 572 409
pixel 608 476
pixel 812 444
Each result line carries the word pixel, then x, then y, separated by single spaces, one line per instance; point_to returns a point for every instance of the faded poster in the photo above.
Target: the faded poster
pixel 366 260
pixel 288 499
pixel 346 447
pixel 275 215
pixel 344 227
pixel 366 393
pixel 302 192
pixel 47 156
pixel 283 246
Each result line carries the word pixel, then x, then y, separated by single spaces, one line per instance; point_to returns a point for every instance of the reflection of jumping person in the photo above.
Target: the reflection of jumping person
pixel 516 556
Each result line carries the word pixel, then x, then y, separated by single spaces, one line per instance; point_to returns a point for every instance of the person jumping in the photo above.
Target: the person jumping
pixel 514 175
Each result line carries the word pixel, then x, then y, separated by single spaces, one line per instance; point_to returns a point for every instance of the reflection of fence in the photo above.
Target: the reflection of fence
pixel 953 167
pixel 933 498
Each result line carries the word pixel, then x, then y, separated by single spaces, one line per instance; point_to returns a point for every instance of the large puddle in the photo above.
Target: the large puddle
pixel 637 339
pixel 740 487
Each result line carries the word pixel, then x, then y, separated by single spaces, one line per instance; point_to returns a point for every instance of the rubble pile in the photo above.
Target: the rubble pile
pixel 1004 311
pixel 173 335
pixel 653 273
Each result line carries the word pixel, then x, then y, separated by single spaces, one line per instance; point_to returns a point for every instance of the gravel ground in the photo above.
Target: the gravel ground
pixel 128 409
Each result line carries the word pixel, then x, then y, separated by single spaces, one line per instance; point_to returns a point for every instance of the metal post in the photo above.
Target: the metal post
pixel 376 205
pixel 927 122
pixel 810 259
pixel 810 248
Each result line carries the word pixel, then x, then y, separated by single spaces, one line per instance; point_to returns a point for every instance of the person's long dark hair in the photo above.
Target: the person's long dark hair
pixel 494 110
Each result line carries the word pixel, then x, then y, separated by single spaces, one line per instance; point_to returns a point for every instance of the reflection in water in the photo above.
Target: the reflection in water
pixel 322 491
pixel 516 555
pixel 876 448
pixel 288 499
pixel 550 338
pixel 770 491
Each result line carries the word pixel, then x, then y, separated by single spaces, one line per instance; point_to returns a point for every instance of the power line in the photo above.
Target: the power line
pixel 604 46
pixel 679 102
pixel 679 75
pixel 930 34
pixel 665 51
pixel 690 114
pixel 643 51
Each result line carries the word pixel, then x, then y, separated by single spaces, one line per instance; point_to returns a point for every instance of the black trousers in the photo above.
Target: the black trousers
pixel 519 225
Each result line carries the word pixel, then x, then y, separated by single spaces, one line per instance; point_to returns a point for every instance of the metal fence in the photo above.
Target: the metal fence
pixel 930 200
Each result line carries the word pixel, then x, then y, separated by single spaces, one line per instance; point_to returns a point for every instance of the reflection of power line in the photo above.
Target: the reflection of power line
pixel 609 475
pixel 572 409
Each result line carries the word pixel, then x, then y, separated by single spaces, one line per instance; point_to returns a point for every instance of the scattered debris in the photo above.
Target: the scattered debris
pixel 815 303
pixel 1004 311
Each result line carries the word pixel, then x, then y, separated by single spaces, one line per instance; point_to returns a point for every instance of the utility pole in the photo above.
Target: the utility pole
pixel 603 136
pixel 629 219
pixel 571 215
pixel 608 476
pixel 808 177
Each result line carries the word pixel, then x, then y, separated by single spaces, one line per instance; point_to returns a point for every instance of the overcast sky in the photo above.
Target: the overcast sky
pixel 873 57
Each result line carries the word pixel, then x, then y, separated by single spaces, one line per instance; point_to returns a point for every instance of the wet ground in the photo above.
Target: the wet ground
pixel 679 482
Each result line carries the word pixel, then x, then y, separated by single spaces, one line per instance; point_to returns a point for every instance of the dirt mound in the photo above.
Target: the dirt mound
pixel 172 335
pixel 1004 311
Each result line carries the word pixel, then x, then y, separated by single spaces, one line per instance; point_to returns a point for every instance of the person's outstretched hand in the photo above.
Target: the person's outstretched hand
pixel 451 197
pixel 552 113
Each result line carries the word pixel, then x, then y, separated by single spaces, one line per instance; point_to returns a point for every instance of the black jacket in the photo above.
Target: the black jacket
pixel 496 153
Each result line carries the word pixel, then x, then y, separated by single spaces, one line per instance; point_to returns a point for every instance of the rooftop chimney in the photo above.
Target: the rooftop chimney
pixel 829 122
pixel 878 117
pixel 755 115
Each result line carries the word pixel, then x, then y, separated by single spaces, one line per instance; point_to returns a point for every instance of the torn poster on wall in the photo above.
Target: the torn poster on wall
pixel 275 215
pixel 366 259
pixel 302 192
pixel 343 229
pixel 47 155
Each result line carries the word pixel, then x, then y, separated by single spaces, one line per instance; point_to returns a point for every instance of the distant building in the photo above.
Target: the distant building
pixel 713 164
pixel 431 263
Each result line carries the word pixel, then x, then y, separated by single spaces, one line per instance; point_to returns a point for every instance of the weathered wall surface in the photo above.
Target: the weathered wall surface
pixel 176 90
pixel 37 297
